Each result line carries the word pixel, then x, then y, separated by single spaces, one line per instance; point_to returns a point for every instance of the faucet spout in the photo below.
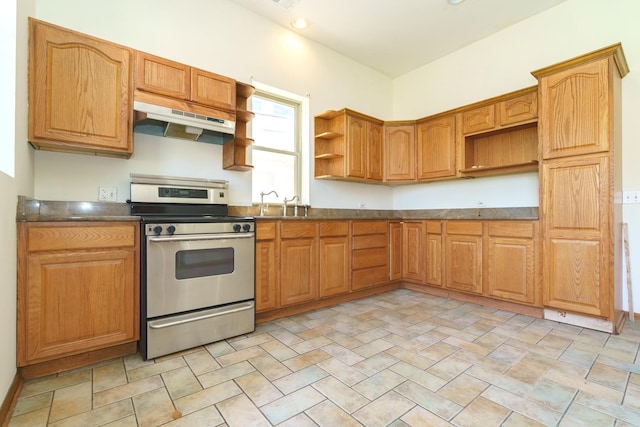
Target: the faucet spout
pixel 284 206
pixel 262 200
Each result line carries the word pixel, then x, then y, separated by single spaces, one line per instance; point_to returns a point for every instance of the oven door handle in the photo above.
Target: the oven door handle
pixel 190 237
pixel 159 324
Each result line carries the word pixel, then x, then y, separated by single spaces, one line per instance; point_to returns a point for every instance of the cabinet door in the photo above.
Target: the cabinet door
pixel 400 153
pixel 335 267
pixel 511 269
pixel 77 302
pixel 356 147
pixel 80 92
pixel 266 275
pixel 575 111
pixel 374 155
pixel 413 252
pixel 463 257
pixel 479 119
pixel 213 89
pixel 576 257
pixel 434 259
pixel 395 250
pixel 298 271
pixel 521 109
pixel 162 76
pixel 437 148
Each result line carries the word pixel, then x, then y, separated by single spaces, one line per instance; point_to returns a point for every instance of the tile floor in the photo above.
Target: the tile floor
pixel 401 358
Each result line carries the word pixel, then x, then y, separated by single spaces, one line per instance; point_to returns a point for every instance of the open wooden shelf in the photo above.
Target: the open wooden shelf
pixel 531 165
pixel 328 135
pixel 244 116
pixel 328 156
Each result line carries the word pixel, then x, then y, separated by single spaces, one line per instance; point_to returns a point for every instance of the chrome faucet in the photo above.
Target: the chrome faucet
pixel 284 206
pixel 262 200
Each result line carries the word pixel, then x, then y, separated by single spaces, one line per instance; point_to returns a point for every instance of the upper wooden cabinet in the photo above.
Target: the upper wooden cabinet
pixel 436 145
pixel 175 80
pixel 80 92
pixel 234 152
pixel 400 151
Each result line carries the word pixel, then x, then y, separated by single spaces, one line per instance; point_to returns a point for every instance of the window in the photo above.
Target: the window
pixel 276 147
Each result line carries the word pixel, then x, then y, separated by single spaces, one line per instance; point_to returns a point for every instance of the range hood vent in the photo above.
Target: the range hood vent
pixel 165 121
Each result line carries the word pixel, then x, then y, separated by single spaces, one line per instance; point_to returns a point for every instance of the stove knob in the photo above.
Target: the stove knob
pixel 236 228
pixel 157 229
pixel 246 227
pixel 171 229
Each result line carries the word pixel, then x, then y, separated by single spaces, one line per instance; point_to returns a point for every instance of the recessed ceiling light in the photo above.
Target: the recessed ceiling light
pixel 455 1
pixel 299 23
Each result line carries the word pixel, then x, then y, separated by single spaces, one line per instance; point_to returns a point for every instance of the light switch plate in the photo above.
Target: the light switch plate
pixel 108 194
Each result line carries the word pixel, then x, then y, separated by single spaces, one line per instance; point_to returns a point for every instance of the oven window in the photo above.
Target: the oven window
pixel 204 262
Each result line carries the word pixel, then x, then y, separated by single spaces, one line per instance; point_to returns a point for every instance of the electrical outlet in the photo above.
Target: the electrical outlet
pixel 631 197
pixel 362 205
pixel 108 194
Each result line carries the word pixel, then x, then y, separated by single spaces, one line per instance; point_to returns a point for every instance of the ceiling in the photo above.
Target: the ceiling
pixel 397 36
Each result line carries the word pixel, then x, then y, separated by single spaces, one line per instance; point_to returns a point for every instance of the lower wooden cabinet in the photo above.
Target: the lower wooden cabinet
pixel 395 250
pixel 369 254
pixel 298 262
pixel 267 261
pixel 433 253
pixel 463 256
pixel 335 258
pixel 413 251
pixel 78 288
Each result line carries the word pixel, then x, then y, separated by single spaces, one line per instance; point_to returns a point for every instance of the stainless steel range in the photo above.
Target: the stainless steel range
pixel 198 264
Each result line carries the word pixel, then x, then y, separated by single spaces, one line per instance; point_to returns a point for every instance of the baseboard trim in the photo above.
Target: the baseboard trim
pixel 10 399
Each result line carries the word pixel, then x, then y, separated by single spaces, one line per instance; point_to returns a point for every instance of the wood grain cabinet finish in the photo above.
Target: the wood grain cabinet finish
pixel 511 263
pixel 433 253
pixel 369 254
pixel 80 92
pixel 395 250
pixel 580 126
pixel 523 108
pixel 413 256
pixel 436 148
pixel 375 151
pixel 298 262
pixel 463 256
pixel 179 81
pixel 400 151
pixel 267 261
pixel 78 288
pixel 335 258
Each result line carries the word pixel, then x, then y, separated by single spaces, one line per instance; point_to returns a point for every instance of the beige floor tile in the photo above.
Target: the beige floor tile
pixel 258 388
pixel 608 376
pixel 579 415
pixel 24 405
pixel 286 337
pixel 379 384
pixel 239 411
pixel 372 348
pixel 300 379
pixel 250 341
pixel 292 404
pixel 552 395
pixel 207 397
pixel 463 389
pixel 340 394
pixel 300 420
pixel 342 371
pixel 610 408
pixel 589 387
pixel 449 368
pixel 108 376
pixel 342 353
pixel 155 369
pixel 523 406
pixel 31 388
pixel 519 420
pixel 219 348
pixel 100 416
pixel 134 361
pixel 154 408
pixel 206 417
pixel 307 359
pixel 240 356
pixel 201 362
pixel 318 329
pixel 410 357
pixel 327 414
pixel 429 400
pixel 126 391
pixel 278 350
pixel 270 367
pixel 222 375
pixel 420 417
pixel 181 382
pixel 439 350
pixel 129 421
pixel 70 401
pixel 375 364
pixel 418 376
pixel 36 418
pixel 489 412
pixel 384 410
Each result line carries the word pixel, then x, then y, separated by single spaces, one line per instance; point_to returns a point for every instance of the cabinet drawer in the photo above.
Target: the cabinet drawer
pixel 521 109
pixel 473 228
pixel 296 229
pixel 82 236
pixel 366 258
pixel 511 229
pixel 265 230
pixel 334 228
pixel 434 227
pixel 372 241
pixel 479 119
pixel 369 277
pixel 369 227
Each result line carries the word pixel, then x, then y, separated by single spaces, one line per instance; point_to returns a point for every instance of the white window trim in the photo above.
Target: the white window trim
pixel 304 130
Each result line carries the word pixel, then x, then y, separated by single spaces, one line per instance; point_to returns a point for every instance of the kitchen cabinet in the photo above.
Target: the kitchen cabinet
pixel 433 249
pixel 80 92
pixel 267 261
pixel 78 288
pixel 395 250
pixel 298 262
pixel 463 256
pixel 400 151
pixel 369 253
pixel 501 135
pixel 580 126
pixel 348 145
pixel 179 81
pixel 511 261
pixel 436 147
pixel 234 152
pixel 413 256
pixel 335 258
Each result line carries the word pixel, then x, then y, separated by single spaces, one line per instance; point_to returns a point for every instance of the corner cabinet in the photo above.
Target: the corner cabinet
pixel 581 143
pixel 78 288
pixel 80 92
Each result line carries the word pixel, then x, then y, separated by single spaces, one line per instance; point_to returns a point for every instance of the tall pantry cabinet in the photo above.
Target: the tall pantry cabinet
pixel 580 173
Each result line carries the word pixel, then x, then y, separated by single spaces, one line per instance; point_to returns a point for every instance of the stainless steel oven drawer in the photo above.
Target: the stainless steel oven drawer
pixel 175 333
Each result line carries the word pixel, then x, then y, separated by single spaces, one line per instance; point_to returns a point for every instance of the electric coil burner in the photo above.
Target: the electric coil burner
pixel 198 264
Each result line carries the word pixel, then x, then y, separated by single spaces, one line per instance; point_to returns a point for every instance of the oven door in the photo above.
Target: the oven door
pixel 190 272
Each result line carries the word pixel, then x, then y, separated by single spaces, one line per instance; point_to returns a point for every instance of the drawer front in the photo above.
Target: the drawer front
pixel 83 236
pixel 337 228
pixel 369 277
pixel 434 227
pixel 473 228
pixel 520 109
pixel 479 119
pixel 372 241
pixel 369 227
pixel 512 228
pixel 296 229
pixel 265 230
pixel 366 258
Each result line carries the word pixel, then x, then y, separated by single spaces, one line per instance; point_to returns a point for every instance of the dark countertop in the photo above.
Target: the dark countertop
pixel 43 210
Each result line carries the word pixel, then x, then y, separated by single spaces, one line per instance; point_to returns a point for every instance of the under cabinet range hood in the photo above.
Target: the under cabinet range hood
pixel 158 120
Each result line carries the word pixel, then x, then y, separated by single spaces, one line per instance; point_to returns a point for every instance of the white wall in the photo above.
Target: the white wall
pixel 224 38
pixel 503 63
